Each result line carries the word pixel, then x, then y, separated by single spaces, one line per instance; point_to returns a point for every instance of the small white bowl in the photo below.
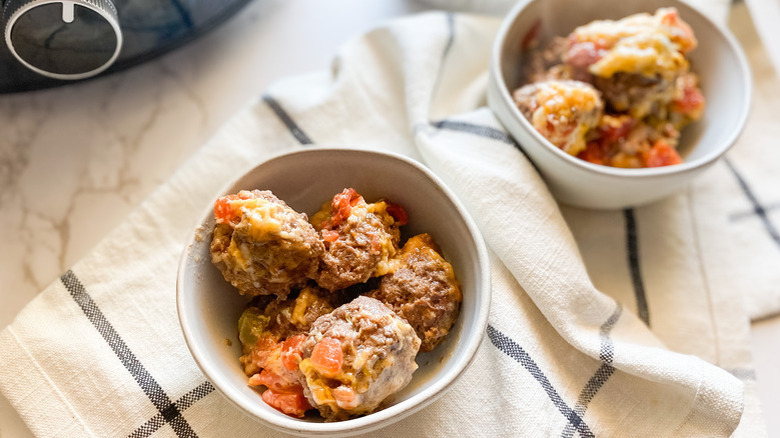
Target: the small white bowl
pixel 724 79
pixel 209 307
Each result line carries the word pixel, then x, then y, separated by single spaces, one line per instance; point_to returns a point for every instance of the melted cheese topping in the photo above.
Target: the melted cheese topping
pixel 563 114
pixel 650 45
pixel 262 216
pixel 305 300
pixel 323 215
pixel 236 253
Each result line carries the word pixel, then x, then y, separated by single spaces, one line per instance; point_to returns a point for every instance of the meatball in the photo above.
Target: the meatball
pixel 636 60
pixel 561 110
pixel 360 239
pixel 261 245
pixel 635 94
pixel 356 358
pixel 423 290
pixel 649 45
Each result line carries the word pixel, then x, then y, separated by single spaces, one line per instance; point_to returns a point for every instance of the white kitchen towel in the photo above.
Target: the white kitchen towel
pixel 658 347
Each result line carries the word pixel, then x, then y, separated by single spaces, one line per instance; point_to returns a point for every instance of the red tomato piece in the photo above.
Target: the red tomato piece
pixel 595 152
pixel 290 401
pixel 222 211
pixel 342 204
pixel 398 213
pixel 345 396
pixel 618 128
pixel 330 235
pixel 267 351
pixel 327 356
pixel 291 352
pixel 269 379
pixel 223 208
pixel 691 101
pixel 661 154
pixel 684 31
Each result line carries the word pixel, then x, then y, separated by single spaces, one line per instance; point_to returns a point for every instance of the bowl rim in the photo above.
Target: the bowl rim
pixel 723 145
pixel 394 412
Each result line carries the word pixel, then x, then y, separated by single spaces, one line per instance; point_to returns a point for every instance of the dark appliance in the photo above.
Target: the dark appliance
pixel 47 43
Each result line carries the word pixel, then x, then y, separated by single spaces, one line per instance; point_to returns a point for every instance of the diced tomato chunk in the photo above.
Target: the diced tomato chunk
pixel 684 32
pixel 661 154
pixel 291 352
pixel 616 128
pixel 290 401
pixel 595 152
pixel 345 396
pixel 284 391
pixel 223 209
pixel 330 235
pixel 268 379
pixel 342 204
pixel 691 101
pixel 327 356
pixel 398 213
pixel 266 347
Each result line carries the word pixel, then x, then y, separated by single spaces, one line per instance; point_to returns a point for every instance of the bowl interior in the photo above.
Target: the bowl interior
pixel 721 67
pixel 209 307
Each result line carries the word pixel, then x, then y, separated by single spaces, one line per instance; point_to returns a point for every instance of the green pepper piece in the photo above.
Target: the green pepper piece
pixel 251 326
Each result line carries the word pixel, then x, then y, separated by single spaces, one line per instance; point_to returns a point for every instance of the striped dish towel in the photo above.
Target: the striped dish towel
pixel 620 323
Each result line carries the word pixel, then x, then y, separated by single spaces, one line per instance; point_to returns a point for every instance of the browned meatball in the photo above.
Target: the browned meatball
pixel 636 94
pixel 360 238
pixel 261 245
pixel 561 110
pixel 423 290
pixel 356 358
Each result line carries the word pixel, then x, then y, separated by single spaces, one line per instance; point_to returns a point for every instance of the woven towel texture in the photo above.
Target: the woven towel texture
pixel 602 323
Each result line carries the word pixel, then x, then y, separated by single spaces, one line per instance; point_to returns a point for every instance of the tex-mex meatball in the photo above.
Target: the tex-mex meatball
pixel 360 238
pixel 561 110
pixel 423 289
pixel 261 245
pixel 356 358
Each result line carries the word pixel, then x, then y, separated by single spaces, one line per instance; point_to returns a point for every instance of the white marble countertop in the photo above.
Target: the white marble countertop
pixel 75 160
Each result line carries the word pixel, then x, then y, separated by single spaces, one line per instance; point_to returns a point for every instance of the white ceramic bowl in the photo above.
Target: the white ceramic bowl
pixel 724 78
pixel 209 307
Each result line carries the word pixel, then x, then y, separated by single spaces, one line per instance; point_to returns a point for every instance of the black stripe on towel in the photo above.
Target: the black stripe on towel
pixel 295 130
pixel 516 352
pixel 606 354
pixel 632 247
pixel 189 399
pixel 758 209
pixel 734 217
pixel 482 131
pixel 151 388
pixel 471 128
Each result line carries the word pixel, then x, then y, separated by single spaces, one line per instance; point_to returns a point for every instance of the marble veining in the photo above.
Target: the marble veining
pixel 75 160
